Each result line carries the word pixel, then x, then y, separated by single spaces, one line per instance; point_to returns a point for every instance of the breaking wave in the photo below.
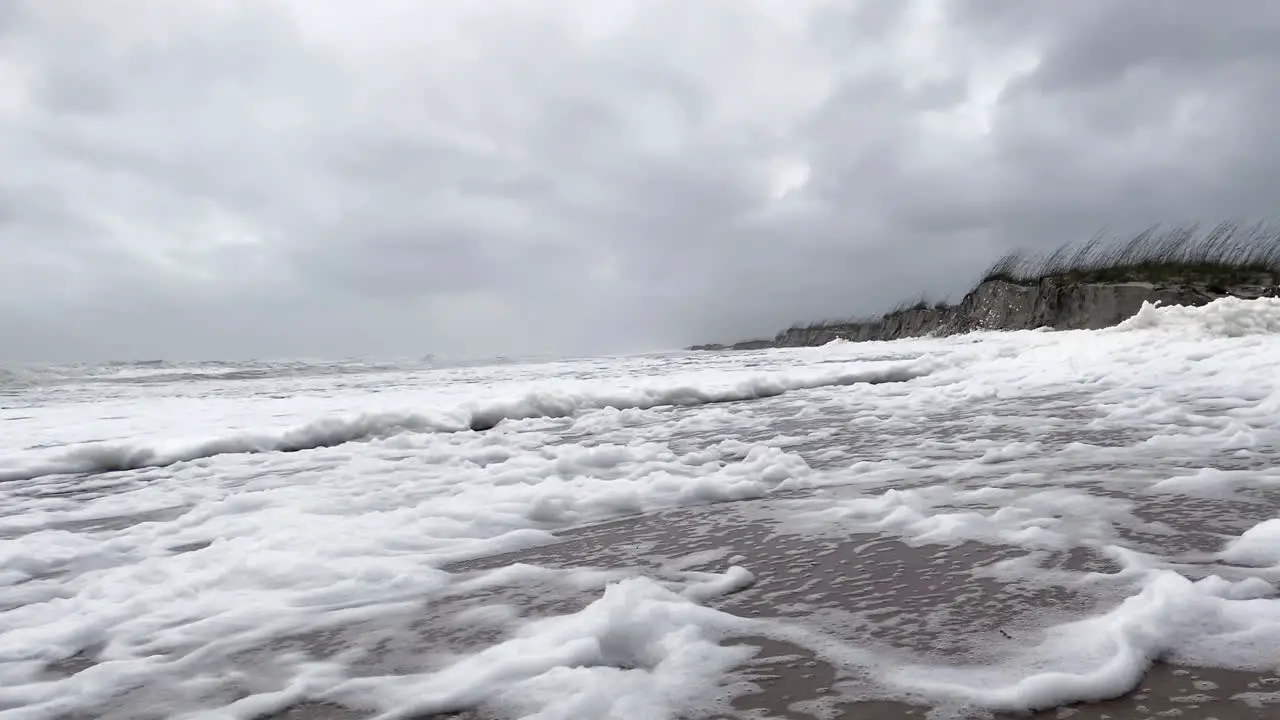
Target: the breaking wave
pixel 329 432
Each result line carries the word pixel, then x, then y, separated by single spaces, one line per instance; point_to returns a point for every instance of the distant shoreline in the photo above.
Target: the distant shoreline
pixel 1092 285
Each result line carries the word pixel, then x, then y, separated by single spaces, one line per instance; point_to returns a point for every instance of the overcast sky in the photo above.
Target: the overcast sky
pixel 236 178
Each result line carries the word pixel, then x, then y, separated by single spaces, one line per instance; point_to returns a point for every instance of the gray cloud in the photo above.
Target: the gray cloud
pixel 291 178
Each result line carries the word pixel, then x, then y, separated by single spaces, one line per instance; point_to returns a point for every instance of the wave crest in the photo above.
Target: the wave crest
pixel 329 432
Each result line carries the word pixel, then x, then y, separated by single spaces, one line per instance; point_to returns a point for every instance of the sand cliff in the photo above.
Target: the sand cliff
pixel 1001 305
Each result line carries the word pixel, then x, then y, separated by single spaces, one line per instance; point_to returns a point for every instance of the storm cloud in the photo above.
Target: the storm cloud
pixel 234 178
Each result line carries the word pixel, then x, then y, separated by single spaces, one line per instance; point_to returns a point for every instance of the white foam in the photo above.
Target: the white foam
pixel 713 585
pixel 1210 621
pixel 241 511
pixel 1224 317
pixel 640 651
pixel 1038 519
pixel 1258 546
pixel 99 457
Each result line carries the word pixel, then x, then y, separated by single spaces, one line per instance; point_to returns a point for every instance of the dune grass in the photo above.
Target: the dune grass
pixel 826 323
pixel 920 302
pixel 1224 255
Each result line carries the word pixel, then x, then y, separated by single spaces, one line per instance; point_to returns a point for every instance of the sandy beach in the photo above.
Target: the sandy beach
pixel 1076 524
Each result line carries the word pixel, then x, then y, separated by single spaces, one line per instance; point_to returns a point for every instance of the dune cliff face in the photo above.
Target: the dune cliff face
pixel 1001 305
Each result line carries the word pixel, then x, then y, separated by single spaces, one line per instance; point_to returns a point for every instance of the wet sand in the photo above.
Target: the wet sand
pixel 864 590
pixel 868 590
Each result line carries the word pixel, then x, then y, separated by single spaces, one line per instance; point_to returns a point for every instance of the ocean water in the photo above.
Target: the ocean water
pixel 988 523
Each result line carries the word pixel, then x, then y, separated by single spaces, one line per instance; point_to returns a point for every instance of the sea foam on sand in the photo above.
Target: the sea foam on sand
pixel 154 536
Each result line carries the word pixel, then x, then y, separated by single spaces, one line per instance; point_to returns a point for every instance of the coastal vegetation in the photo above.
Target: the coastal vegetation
pixel 1226 255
